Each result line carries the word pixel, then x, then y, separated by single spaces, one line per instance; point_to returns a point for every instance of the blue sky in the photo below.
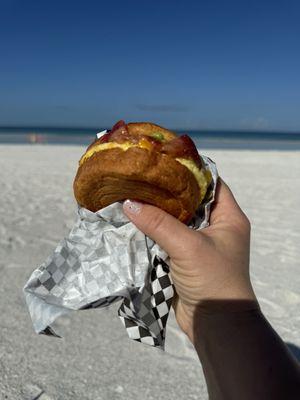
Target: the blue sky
pixel 182 64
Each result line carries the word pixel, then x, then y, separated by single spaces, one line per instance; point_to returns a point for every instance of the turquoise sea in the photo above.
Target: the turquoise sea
pixel 215 139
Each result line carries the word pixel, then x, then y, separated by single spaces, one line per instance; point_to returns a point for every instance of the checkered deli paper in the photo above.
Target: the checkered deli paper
pixel 105 259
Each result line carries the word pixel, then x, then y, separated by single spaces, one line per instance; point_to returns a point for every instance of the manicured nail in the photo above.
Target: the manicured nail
pixel 132 207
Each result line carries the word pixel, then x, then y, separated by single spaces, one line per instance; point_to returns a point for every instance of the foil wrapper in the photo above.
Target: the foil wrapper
pixel 105 259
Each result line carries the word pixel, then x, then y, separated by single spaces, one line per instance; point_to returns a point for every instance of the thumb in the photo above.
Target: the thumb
pixel 168 232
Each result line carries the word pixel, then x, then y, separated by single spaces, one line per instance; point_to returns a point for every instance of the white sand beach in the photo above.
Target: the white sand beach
pixel 96 360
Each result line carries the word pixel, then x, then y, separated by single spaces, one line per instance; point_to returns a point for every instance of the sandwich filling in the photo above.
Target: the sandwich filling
pixel 181 148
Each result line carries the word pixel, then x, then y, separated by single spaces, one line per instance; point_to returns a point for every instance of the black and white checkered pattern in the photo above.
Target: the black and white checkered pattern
pixel 104 259
pixel 145 314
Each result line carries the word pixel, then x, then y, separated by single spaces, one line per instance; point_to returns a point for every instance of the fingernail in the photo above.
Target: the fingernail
pixel 132 207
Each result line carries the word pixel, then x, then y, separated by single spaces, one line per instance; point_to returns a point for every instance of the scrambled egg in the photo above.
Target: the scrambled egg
pixel 104 146
pixel 202 177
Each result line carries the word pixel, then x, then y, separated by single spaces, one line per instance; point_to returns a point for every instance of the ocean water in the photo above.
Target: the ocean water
pixel 203 139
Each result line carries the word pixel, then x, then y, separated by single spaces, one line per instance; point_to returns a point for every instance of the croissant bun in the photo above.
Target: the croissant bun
pixel 138 161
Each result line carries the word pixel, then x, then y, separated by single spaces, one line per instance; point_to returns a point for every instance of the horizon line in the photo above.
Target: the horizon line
pixel 79 128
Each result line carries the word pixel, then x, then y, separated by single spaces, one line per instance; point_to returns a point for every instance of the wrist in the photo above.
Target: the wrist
pixel 232 298
pixel 209 312
pixel 215 309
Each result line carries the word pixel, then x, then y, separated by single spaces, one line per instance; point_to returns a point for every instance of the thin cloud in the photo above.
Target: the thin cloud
pixel 261 123
pixel 162 108
pixel 256 123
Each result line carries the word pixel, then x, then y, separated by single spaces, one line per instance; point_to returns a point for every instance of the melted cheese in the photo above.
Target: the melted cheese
pixel 202 177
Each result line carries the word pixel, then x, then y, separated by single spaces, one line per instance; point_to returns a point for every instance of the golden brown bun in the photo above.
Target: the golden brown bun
pixel 114 175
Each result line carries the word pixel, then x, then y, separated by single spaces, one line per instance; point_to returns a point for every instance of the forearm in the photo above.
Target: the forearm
pixel 243 357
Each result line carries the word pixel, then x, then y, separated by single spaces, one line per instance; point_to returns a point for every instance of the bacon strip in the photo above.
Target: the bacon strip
pixel 182 147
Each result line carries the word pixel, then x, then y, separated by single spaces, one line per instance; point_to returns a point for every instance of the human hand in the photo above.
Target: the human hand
pixel 208 265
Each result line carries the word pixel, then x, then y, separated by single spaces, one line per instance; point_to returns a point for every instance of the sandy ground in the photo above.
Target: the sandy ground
pixel 96 360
